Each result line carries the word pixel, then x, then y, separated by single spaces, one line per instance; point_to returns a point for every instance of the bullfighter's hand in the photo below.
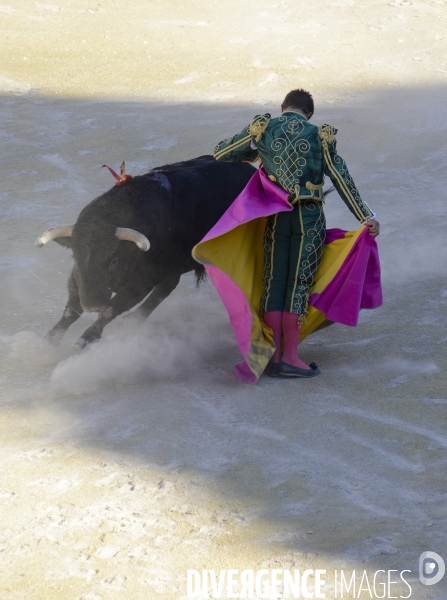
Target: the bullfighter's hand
pixel 374 227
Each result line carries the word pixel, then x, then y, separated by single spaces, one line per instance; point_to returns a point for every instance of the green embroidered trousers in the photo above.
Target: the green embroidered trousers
pixel 293 247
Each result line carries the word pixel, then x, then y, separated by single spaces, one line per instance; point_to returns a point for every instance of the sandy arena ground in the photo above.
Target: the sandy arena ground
pixel 141 457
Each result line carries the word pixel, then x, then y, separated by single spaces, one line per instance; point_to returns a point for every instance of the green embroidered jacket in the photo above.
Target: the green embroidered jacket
pixel 296 155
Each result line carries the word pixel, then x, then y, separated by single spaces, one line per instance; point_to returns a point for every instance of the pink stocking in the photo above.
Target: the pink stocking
pixel 273 319
pixel 291 331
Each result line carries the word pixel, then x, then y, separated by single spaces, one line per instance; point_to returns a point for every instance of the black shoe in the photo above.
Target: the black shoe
pixel 291 371
pixel 272 369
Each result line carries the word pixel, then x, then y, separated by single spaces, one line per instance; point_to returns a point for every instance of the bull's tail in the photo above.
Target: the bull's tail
pixel 200 274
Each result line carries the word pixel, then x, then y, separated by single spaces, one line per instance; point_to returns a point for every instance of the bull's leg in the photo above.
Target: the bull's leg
pixel 73 310
pixel 159 293
pixel 123 301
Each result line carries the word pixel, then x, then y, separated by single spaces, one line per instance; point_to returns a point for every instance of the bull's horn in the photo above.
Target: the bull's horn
pixel 54 232
pixel 123 233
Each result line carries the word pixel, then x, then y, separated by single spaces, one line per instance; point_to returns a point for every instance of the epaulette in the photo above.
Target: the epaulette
pixel 259 125
pixel 327 134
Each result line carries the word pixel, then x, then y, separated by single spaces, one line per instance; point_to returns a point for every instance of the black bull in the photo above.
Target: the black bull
pixel 136 239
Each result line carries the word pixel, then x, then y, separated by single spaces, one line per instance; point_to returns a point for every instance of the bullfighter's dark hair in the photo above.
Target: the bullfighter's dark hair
pixel 299 99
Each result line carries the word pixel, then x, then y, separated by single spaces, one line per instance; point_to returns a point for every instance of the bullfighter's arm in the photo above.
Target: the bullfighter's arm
pixel 242 146
pixel 335 167
pixel 236 148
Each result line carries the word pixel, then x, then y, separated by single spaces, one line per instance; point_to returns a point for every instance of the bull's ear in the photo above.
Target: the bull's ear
pixel 63 241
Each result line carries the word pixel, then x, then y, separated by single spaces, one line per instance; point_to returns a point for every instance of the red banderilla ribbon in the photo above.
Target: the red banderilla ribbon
pixel 120 179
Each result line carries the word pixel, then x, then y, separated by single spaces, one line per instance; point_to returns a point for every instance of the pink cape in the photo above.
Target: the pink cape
pixel 348 278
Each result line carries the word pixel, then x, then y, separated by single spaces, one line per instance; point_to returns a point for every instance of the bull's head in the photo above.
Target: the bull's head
pixel 100 264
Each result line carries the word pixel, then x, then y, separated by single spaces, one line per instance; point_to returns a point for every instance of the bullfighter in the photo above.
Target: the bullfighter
pixel 295 155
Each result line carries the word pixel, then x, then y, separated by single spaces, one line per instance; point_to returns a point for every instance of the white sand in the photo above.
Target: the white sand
pixel 142 457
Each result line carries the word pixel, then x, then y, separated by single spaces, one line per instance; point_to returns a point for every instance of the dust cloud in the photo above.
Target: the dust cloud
pixel 174 341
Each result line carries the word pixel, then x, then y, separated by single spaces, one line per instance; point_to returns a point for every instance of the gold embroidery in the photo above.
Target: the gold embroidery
pixel 298 262
pixel 231 147
pixel 297 112
pixel 312 247
pixel 272 178
pixel 308 252
pixel 301 320
pixel 342 184
pixel 327 135
pixel 289 152
pixel 269 254
pixel 258 126
pixel 315 193
pixel 314 186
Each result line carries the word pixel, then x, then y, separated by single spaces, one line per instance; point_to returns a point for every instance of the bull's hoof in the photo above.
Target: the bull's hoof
pixel 80 344
pixel 54 336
